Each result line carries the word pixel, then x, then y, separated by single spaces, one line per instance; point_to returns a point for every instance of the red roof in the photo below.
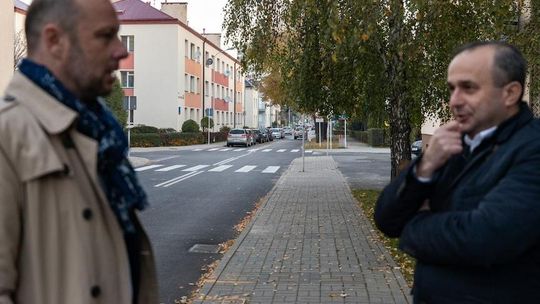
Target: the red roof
pixel 138 10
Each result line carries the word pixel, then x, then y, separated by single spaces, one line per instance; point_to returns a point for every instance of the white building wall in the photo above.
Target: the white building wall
pixel 6 42
pixel 251 97
pixel 157 66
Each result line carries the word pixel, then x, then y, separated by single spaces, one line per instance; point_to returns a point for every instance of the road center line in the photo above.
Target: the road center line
pixel 184 178
pixel 176 178
pixel 147 168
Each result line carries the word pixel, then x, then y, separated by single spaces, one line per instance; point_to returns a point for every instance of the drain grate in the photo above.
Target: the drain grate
pixel 204 248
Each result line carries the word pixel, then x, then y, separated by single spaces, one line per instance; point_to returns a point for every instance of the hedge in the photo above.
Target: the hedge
pixel 166 139
pixel 376 137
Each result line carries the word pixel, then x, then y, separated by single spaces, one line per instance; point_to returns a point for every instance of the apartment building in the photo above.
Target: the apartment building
pixel 253 100
pixel 6 42
pixel 173 73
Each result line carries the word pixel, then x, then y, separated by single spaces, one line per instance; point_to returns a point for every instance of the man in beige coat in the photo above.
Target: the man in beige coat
pixel 68 196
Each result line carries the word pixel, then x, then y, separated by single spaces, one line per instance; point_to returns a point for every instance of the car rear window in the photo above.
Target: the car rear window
pixel 237 132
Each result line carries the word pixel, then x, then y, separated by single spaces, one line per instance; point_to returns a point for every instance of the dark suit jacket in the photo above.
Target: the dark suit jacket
pixel 480 242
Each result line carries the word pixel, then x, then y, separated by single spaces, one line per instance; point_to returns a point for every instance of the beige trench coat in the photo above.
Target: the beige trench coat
pixel 60 242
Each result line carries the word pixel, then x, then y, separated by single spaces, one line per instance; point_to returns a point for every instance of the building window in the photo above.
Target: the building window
pixel 127 79
pixel 197 85
pixel 192 52
pixel 206 88
pixel 192 84
pixel 198 54
pixel 186 82
pixel 186 48
pixel 213 91
pixel 213 61
pixel 129 43
pixel 218 64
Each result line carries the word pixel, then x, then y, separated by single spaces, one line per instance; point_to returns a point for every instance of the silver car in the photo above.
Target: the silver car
pixel 238 137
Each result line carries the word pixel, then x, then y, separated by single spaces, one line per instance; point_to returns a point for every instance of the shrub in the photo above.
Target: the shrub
pixel 144 129
pixel 145 140
pixel 181 139
pixel 190 126
pixel 166 130
pixel 204 122
pixel 376 137
pixel 224 129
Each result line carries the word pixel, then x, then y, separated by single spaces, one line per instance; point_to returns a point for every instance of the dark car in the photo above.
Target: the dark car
pixel 416 147
pixel 270 135
pixel 258 136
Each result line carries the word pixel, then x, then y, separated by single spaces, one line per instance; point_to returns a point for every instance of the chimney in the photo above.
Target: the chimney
pixel 177 10
pixel 215 38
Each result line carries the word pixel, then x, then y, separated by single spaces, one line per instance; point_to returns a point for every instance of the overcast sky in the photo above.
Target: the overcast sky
pixel 207 14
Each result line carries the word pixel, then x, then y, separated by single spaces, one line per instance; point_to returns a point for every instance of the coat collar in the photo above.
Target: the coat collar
pixel 53 116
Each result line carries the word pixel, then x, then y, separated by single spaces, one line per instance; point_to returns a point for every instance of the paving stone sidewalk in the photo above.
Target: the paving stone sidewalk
pixel 309 243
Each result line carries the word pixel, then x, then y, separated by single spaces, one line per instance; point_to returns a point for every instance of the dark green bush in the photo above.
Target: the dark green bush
pixel 361 136
pixel 190 126
pixel 376 137
pixel 182 139
pixel 224 129
pixel 145 140
pixel 167 130
pixel 144 129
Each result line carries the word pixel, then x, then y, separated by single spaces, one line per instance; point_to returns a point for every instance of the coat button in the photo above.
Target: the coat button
pixel 66 170
pixel 95 291
pixel 87 214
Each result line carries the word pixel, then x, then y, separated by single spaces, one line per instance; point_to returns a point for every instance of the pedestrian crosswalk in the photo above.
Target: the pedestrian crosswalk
pixel 250 150
pixel 209 168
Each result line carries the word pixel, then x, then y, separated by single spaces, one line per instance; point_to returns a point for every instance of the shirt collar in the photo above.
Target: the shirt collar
pixel 478 138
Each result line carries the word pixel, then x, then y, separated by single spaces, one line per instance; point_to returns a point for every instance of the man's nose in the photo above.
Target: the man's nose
pixel 455 99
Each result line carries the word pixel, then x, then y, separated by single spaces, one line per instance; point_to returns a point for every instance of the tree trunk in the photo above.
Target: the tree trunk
pixel 400 125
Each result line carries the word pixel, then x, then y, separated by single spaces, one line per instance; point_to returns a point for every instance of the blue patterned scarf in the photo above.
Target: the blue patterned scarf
pixel 118 179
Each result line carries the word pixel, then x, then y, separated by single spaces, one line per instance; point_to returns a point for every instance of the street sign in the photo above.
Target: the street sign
pixel 209 112
pixel 319 119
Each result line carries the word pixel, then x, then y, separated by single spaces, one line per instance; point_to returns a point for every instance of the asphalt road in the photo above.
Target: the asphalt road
pixel 197 196
pixel 364 170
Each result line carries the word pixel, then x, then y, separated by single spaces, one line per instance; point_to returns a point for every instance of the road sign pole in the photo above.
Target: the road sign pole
pixel 303 145
pixel 345 132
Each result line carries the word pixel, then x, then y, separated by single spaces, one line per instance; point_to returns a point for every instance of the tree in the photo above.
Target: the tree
pixel 382 61
pixel 115 102
pixel 190 126
pixel 204 122
pixel 19 50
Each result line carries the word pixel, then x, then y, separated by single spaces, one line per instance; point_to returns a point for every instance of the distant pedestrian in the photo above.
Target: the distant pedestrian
pixel 468 209
pixel 68 195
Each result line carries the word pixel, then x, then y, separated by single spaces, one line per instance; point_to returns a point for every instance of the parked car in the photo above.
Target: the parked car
pixel 270 135
pixel 416 147
pixel 265 134
pixel 252 137
pixel 276 132
pixel 299 133
pixel 238 137
pixel 287 131
pixel 259 137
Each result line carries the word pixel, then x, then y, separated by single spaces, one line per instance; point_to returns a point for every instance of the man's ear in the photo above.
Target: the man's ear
pixel 54 40
pixel 511 93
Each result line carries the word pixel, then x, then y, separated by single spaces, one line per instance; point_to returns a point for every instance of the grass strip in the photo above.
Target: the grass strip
pixel 367 200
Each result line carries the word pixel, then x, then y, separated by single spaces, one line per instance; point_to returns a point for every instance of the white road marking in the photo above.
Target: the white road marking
pixel 271 169
pixel 309 151
pixel 245 169
pixel 295 150
pixel 177 179
pixel 226 149
pixel 147 168
pixel 213 149
pixel 196 168
pixel 266 150
pixel 281 150
pixel 170 168
pixel 241 149
pixel 220 168
pixel 198 149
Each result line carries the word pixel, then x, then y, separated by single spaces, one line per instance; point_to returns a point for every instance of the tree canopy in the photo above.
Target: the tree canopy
pixel 384 61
